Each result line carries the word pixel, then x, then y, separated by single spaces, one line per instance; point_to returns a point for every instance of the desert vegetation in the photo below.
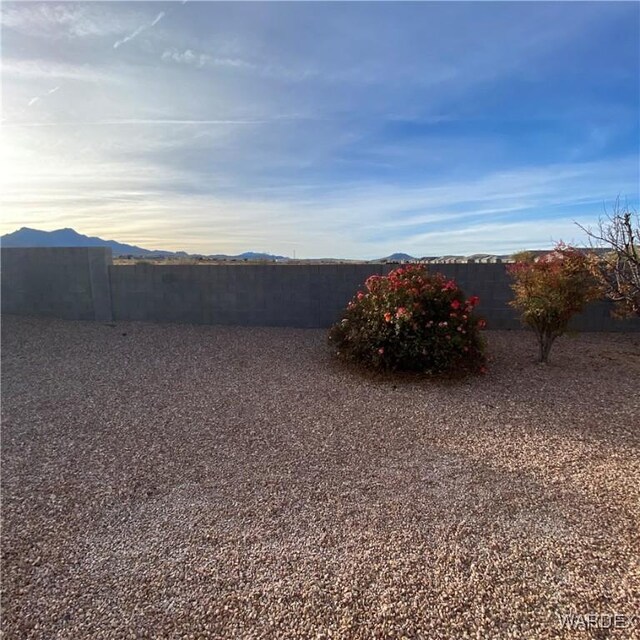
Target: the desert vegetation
pixel 550 291
pixel 411 320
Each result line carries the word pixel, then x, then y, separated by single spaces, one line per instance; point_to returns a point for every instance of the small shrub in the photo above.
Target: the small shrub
pixel 550 291
pixel 411 320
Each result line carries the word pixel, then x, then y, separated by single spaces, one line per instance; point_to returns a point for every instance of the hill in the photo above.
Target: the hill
pixel 397 257
pixel 26 237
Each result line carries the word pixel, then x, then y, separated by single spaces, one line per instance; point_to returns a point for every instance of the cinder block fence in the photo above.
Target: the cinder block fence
pixel 84 284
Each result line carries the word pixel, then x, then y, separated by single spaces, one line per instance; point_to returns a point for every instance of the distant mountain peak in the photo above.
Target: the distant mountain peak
pixel 67 237
pixel 398 257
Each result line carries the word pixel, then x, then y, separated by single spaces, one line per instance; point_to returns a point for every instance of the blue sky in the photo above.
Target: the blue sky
pixel 329 129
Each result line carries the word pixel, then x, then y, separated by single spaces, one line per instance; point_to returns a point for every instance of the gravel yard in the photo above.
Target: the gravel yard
pixel 166 481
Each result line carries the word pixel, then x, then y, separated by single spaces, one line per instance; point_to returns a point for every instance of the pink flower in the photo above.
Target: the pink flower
pixel 387 317
pixel 449 285
pixel 381 350
pixel 360 295
pixel 455 304
pixel 402 312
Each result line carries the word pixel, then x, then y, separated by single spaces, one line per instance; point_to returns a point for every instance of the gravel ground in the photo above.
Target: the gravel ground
pixel 165 481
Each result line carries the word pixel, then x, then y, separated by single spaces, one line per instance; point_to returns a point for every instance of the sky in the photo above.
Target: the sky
pixel 348 130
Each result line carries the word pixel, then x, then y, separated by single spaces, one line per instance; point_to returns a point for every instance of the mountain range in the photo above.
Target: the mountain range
pixel 26 237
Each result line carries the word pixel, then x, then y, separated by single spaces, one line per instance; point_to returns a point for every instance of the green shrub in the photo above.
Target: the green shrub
pixel 411 320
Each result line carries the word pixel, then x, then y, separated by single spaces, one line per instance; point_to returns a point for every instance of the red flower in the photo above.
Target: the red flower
pixel 455 304
pixel 481 324
pixel 473 301
pixel 449 285
pixel 387 317
pixel 360 295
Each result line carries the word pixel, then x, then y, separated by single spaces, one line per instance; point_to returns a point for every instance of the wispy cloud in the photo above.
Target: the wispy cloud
pixel 386 127
pixel 35 99
pixel 109 191
pixel 139 30
pixel 200 60
pixel 64 20
pixel 131 36
pixel 158 18
pixel 37 69
pixel 289 72
pixel 143 121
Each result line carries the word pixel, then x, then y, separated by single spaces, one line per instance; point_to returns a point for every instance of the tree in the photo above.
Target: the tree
pixel 550 290
pixel 618 269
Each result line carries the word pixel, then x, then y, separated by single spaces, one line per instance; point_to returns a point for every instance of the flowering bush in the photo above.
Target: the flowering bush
pixel 550 291
pixel 411 320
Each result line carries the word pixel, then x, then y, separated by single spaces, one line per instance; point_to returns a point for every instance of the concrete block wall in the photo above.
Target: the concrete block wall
pixel 71 283
pixel 266 295
pixel 300 295
pixel 83 284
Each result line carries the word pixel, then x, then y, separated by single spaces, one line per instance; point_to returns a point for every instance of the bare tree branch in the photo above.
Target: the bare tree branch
pixel 618 269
